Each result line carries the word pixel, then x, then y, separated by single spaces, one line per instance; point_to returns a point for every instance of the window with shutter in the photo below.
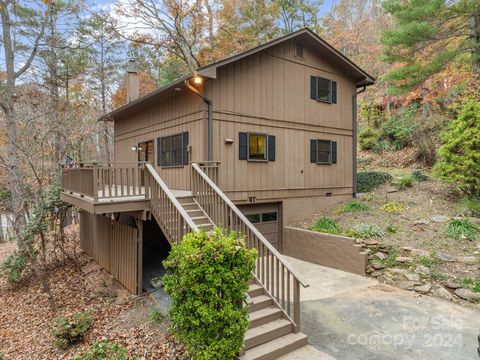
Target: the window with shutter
pixel 256 147
pixel 323 90
pixel 323 151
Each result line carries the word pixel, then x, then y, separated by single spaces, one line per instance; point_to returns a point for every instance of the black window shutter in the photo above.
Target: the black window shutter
pixel 271 148
pixel 334 92
pixel 313 87
pixel 334 152
pixel 313 151
pixel 242 145
pixel 185 148
pixel 159 151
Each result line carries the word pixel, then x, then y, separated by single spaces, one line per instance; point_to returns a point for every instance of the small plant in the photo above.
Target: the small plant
pixel 472 205
pixel 352 206
pixel 326 225
pixel 429 261
pixel 104 350
pixel 370 180
pixel 471 283
pixel 367 138
pixel 13 266
pixel 392 229
pixel 403 181
pixel 155 315
pixel 419 176
pixel 462 229
pixel 68 330
pixel 366 231
pixel 391 259
pixel 392 207
pixel 207 277
pixel 368 197
pixel 399 129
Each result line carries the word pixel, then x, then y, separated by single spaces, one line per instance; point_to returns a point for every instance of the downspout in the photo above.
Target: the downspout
pixel 209 121
pixel 354 147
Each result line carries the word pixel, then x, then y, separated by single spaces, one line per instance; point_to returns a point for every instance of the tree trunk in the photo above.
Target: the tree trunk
pixel 475 37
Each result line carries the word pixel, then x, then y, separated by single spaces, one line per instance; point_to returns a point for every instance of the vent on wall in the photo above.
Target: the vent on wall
pixel 299 50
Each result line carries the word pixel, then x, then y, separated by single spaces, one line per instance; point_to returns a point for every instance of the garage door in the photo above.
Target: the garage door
pixel 267 219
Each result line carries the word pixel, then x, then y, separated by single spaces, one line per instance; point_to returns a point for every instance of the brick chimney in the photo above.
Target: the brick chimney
pixel 133 84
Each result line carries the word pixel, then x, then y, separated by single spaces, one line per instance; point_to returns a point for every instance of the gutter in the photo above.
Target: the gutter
pixel 354 139
pixel 210 119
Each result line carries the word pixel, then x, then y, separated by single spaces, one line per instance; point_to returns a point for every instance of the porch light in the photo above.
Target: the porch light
pixel 197 80
pixel 134 148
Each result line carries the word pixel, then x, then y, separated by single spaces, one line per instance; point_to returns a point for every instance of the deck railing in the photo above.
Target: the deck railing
pixel 210 168
pixel 272 271
pixel 170 215
pixel 104 180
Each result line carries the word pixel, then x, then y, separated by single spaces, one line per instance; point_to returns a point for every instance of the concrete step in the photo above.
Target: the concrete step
pixel 277 347
pixel 264 316
pixel 267 332
pixel 259 302
pixel 255 290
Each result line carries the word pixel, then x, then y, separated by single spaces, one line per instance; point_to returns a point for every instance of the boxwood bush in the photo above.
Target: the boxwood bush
pixel 207 277
pixel 370 180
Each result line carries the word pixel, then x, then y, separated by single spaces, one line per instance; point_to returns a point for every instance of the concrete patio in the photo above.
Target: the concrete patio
pixel 348 316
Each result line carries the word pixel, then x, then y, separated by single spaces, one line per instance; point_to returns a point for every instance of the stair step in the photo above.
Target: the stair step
pixel 185 199
pixel 194 212
pixel 255 290
pixel 267 332
pixel 275 348
pixel 260 302
pixel 200 220
pixel 205 226
pixel 263 316
pixel 191 206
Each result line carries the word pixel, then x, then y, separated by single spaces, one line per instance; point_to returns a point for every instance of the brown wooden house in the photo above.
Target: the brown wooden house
pixel 251 143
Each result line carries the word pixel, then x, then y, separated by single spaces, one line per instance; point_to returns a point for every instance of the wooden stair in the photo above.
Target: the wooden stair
pixel 196 213
pixel 270 335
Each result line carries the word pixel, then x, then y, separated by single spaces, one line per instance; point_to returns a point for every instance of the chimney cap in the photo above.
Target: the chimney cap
pixel 132 66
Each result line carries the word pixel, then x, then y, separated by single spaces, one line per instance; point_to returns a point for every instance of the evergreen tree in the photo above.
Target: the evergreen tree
pixel 427 36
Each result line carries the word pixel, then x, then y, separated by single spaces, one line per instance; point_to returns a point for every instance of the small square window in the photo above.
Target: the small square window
pixel 257 146
pixel 253 218
pixel 270 216
pixel 324 151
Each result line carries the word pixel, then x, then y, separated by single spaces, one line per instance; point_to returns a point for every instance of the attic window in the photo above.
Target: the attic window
pixel 299 51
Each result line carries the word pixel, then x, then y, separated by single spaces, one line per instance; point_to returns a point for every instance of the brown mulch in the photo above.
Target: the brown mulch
pixel 26 317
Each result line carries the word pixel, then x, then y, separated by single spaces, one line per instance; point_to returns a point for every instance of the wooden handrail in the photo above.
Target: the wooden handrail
pixel 251 227
pixel 272 271
pixel 169 213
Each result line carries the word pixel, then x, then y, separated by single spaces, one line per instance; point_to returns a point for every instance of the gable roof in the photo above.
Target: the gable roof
pixel 308 36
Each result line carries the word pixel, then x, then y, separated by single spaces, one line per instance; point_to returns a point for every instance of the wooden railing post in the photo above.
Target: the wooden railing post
pixel 296 304
pixel 95 183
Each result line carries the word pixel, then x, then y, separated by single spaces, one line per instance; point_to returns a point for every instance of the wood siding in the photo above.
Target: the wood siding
pixel 114 246
pixel 267 92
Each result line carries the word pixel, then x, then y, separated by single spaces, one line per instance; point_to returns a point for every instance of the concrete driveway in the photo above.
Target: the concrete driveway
pixel 348 316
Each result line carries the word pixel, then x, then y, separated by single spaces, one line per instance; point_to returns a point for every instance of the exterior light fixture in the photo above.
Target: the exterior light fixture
pixel 177 89
pixel 197 80
pixel 134 148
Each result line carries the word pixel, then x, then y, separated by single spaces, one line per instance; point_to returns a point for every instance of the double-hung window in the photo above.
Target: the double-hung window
pixel 323 151
pixel 256 146
pixel 172 150
pixel 323 90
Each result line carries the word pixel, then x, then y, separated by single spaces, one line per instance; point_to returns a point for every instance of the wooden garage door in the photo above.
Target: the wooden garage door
pixel 267 219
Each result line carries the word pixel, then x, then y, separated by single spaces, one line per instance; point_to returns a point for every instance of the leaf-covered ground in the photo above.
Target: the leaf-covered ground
pixel 25 316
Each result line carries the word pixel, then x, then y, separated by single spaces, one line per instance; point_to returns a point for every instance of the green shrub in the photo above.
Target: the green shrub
pixel 367 138
pixel 13 266
pixel 370 180
pixel 472 205
pixel 392 229
pixel 459 162
pixel 392 207
pixel 326 225
pixel 208 277
pixel 382 146
pixel 366 231
pixel 352 206
pixel 462 229
pixel 419 176
pixel 104 350
pixel 68 330
pixel 403 181
pixel 398 130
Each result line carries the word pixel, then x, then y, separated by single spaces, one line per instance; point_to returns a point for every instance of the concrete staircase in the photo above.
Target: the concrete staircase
pixel 270 335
